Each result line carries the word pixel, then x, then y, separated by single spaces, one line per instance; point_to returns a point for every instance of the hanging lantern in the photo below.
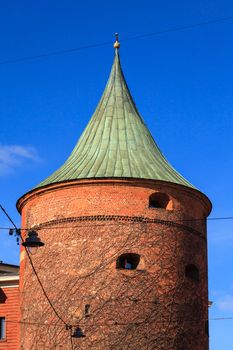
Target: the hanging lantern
pixel 11 231
pixel 32 240
pixel 78 333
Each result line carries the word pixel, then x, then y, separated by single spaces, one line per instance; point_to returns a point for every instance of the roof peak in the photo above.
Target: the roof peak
pixel 116 45
pixel 116 142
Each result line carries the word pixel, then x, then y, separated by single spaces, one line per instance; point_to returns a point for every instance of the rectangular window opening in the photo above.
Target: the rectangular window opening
pixel 2 328
pixel 87 310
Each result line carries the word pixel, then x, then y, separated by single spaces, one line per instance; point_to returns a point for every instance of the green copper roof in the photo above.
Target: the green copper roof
pixel 116 142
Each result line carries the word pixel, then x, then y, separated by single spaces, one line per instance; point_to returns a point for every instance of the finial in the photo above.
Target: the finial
pixel 116 44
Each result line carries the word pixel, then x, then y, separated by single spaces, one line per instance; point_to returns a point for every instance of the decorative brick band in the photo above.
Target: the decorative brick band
pixel 120 218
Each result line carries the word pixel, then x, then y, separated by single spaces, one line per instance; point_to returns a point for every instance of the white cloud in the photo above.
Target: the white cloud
pixel 225 303
pixel 12 156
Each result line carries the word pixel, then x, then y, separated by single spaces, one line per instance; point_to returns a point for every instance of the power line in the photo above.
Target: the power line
pixel 4 211
pixel 64 227
pixel 230 318
pixel 221 218
pixel 191 26
pixel 54 53
pixel 221 318
pixel 140 36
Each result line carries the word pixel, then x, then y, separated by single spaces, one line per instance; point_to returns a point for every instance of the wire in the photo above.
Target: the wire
pixel 141 36
pixel 191 26
pixel 221 218
pixel 64 227
pixel 4 211
pixel 230 318
pixel 54 53
pixel 33 323
pixel 221 318
pixel 42 287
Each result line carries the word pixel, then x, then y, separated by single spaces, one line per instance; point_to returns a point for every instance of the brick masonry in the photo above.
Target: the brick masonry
pixel 86 225
pixel 9 308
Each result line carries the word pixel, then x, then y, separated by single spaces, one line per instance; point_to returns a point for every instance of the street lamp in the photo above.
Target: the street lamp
pixel 32 240
pixel 78 333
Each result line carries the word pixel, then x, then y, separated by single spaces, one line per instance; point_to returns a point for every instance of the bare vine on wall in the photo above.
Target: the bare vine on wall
pixel 153 308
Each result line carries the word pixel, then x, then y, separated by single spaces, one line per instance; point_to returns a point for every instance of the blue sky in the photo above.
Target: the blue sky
pixel 182 83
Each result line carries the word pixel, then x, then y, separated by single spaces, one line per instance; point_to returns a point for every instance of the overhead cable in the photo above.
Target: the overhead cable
pixel 106 43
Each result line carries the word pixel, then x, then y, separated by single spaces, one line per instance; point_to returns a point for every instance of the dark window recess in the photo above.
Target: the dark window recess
pixel 207 327
pixel 3 297
pixel 192 272
pixel 158 200
pixel 87 310
pixel 128 261
pixel 2 328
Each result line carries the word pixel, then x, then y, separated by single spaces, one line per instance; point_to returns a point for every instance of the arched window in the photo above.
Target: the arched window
pixel 128 261
pixel 158 200
pixel 192 272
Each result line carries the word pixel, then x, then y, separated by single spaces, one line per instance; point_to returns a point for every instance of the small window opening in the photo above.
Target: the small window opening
pixel 158 200
pixel 87 310
pixel 2 328
pixel 3 297
pixel 192 272
pixel 128 261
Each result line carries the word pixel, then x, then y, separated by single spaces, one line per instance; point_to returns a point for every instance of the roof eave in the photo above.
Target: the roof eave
pixel 66 183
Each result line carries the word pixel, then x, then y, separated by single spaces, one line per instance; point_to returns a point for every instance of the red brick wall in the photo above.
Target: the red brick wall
pixel 85 226
pixel 10 310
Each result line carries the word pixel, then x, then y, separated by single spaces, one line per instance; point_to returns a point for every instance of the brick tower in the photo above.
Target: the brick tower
pixel 125 255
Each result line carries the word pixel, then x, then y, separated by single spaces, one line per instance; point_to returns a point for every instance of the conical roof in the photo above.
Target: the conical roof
pixel 116 142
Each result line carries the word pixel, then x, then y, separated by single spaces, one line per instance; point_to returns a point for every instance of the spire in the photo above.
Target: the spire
pixel 116 142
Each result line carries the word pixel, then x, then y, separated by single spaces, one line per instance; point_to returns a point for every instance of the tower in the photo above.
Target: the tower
pixel 125 257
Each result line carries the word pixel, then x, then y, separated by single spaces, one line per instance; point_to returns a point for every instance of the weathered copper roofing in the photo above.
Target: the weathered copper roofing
pixel 116 142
